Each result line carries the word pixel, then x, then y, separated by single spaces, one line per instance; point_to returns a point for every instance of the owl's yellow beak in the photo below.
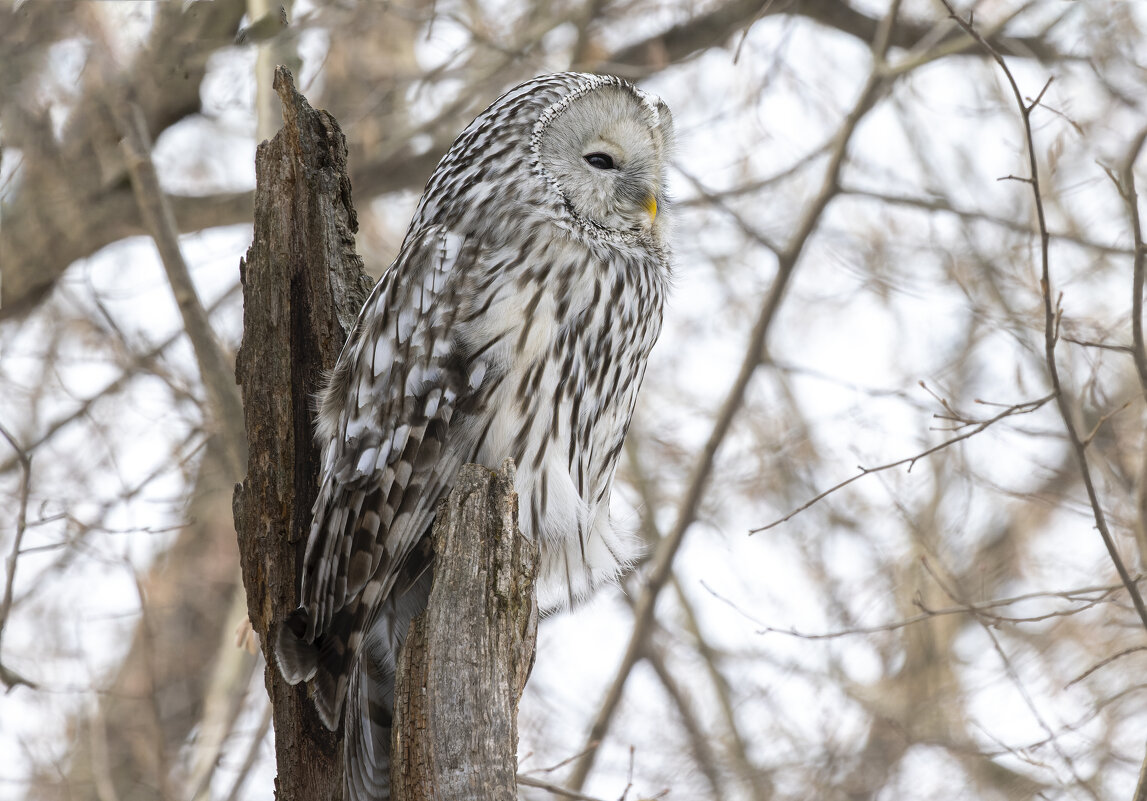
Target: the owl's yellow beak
pixel 651 207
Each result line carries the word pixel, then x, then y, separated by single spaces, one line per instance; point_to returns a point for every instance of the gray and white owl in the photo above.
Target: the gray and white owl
pixel 515 322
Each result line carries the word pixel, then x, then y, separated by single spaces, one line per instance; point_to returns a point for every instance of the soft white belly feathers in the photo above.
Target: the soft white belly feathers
pixel 564 504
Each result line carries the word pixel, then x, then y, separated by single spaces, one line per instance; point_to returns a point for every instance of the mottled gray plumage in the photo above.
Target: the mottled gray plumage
pixel 515 322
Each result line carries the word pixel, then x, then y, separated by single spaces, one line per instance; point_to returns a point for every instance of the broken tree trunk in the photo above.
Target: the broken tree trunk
pixel 302 288
pixel 467 657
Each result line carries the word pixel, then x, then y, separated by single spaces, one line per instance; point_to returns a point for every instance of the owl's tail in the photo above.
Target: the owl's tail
pixel 370 695
pixel 323 661
pixel 366 683
pixel 297 659
pixel 366 735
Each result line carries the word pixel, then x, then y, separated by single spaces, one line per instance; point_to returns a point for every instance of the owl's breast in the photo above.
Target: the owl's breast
pixel 562 339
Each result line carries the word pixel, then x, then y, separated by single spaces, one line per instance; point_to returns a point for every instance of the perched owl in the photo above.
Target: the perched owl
pixel 515 322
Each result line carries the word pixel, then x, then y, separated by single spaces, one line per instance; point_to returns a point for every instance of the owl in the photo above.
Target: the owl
pixel 516 321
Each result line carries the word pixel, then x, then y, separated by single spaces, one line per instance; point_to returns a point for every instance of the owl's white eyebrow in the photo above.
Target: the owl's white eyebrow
pixel 608 145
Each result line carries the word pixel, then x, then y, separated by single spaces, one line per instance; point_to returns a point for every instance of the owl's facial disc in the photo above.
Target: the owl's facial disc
pixel 607 153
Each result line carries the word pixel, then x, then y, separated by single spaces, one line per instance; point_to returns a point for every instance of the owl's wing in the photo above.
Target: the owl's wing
pixel 384 420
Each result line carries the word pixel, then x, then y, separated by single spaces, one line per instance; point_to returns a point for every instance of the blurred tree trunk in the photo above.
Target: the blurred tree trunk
pixel 126 747
pixel 72 198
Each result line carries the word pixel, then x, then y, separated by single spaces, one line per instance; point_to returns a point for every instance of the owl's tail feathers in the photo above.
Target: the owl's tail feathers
pixel 366 744
pixel 320 662
pixel 297 659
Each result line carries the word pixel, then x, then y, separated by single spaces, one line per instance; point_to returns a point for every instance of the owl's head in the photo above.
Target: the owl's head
pixel 605 149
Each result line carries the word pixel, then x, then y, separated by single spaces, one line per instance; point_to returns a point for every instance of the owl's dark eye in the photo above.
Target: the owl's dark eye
pixel 600 161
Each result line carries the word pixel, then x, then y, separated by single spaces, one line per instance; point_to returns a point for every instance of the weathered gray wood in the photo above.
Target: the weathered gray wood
pixel 302 287
pixel 467 657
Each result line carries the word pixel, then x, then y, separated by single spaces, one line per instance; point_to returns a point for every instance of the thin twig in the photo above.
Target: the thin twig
pixel 1014 676
pixel 1103 418
pixel 559 765
pixel 1099 345
pixel 981 609
pixel 1051 318
pixel 628 776
pixel 555 789
pixel 1131 198
pixel 1104 663
pixel 1019 408
pixel 9 677
pixel 252 753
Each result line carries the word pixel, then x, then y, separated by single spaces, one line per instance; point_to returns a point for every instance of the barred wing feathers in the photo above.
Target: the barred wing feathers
pixel 385 415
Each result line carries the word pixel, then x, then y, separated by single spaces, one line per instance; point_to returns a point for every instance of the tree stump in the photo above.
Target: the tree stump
pixel 467 657
pixel 303 285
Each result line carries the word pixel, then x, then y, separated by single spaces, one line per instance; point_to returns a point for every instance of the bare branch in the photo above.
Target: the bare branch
pixel 554 789
pixel 1020 408
pixel 1139 254
pixel 759 783
pixel 941 205
pixel 1080 596
pixel 9 677
pixel 149 738
pixel 1019 685
pixel 217 374
pixel 1105 662
pixel 1051 324
pixel 252 754
pixel 71 201
pixel 138 363
pixel 717 26
pixel 700 741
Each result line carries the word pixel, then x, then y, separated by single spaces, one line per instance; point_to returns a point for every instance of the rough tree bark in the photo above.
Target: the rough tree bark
pixel 303 285
pixel 470 653
pixel 467 657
